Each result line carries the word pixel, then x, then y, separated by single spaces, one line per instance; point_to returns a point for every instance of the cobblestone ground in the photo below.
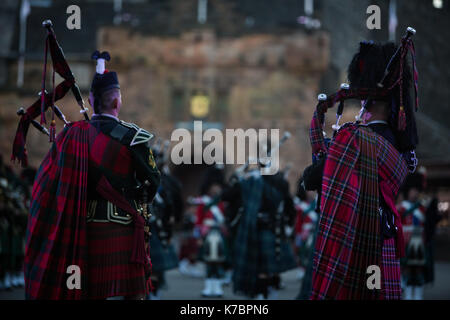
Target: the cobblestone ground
pixel 184 287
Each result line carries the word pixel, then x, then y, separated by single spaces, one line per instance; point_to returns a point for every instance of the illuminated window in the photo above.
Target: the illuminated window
pixel 438 4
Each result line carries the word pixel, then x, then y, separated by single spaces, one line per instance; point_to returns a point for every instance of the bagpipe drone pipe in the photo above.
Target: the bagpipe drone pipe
pixel 391 82
pixel 386 89
pixel 47 99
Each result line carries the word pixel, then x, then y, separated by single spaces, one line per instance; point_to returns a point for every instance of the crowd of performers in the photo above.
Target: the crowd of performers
pixel 104 200
pixel 222 224
pixel 250 210
pixel 217 224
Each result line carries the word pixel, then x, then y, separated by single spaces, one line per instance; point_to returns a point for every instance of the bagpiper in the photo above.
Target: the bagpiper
pixel 413 213
pixel 166 208
pixel 210 226
pixel 363 168
pixel 261 250
pixel 88 215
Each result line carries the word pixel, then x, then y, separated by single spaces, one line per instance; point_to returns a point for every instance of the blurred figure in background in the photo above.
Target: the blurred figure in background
pixel 418 227
pixel 14 204
pixel 432 218
pixel 189 245
pixel 310 182
pixel 167 209
pixel 305 225
pixel 211 229
pixel 261 250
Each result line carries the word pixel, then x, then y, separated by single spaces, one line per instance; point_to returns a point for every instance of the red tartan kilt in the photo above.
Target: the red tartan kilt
pixel 391 285
pixel 189 249
pixel 110 272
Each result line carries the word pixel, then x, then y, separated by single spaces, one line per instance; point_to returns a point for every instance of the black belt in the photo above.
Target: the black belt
pixel 102 210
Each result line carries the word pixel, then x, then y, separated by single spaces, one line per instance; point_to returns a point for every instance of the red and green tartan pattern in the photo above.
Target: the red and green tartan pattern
pixel 316 130
pixel 19 151
pixel 390 269
pixel 316 135
pixel 110 155
pixel 61 67
pixel 348 238
pixel 110 272
pixel 56 232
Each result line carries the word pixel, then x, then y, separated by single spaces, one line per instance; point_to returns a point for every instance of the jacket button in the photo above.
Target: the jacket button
pixel 128 215
pixel 116 214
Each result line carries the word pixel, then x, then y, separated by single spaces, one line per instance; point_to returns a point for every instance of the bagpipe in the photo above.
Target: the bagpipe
pixel 392 78
pixel 47 99
pixel 240 171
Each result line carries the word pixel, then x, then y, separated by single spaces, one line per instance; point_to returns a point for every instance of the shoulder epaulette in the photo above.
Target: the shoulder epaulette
pixel 129 125
pixel 141 135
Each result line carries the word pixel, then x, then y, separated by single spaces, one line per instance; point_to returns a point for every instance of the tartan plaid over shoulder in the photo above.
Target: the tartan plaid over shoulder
pixel 348 239
pixel 56 232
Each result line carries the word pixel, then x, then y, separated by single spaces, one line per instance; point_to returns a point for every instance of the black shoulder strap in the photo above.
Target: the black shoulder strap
pixel 119 132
